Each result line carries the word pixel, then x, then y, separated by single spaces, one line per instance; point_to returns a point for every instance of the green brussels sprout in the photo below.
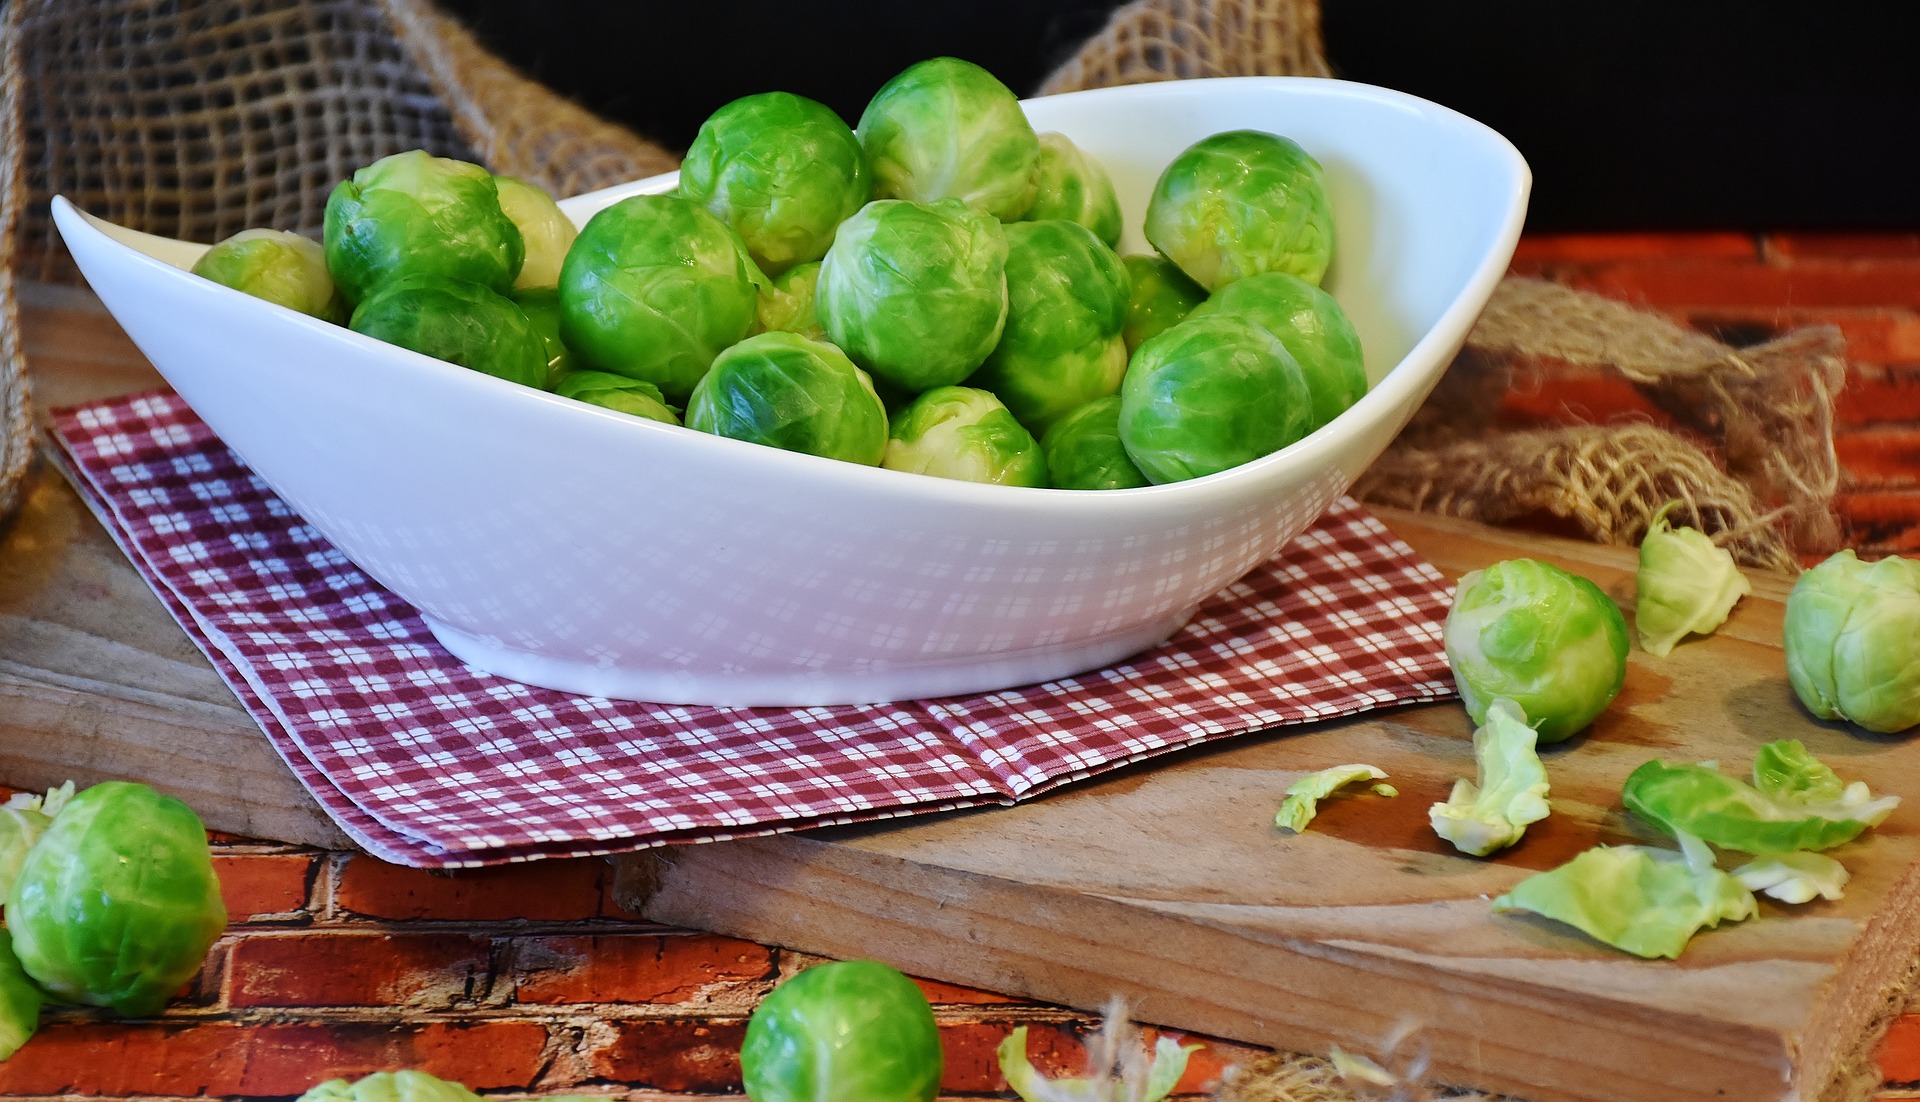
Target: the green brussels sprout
pixel 787 305
pixel 1070 184
pixel 544 228
pixel 1240 203
pixel 1209 394
pixel 416 214
pixel 654 287
pixel 1161 296
pixel 964 433
pixel 461 323
pixel 785 391
pixel 391 1086
pixel 280 267
pixel 783 170
pixel 1796 802
pixel 23 819
pixel 20 1000
pixel 1852 638
pixel 1550 641
pixel 850 1031
pixel 542 307
pixel 1639 899
pixel 915 292
pixel 117 903
pixel 1312 326
pixel 1084 452
pixel 604 388
pixel 1684 585
pixel 1061 346
pixel 948 129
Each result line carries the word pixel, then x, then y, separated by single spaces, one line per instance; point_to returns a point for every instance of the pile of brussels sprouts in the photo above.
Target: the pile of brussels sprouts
pixel 934 291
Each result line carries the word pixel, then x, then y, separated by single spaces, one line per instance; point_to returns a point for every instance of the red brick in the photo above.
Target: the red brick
pixel 1711 283
pixel 1578 397
pixel 263 884
pixel 1843 245
pixel 1883 395
pixel 1561 248
pixel 1884 456
pixel 1874 335
pixel 973 1063
pixel 538 890
pixel 952 994
pixel 638 968
pixel 672 1055
pixel 351 968
pixel 227 1058
pixel 1900 1051
pixel 1880 522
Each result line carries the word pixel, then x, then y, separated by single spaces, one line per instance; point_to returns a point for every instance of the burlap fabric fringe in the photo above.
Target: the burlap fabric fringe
pixel 1153 40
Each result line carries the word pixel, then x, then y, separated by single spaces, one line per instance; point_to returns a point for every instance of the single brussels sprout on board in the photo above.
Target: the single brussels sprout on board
pixel 1685 585
pixel 784 171
pixel 787 304
pixel 545 230
pixel 967 434
pixel 948 129
pixel 117 904
pixel 1239 203
pixel 390 1086
pixel 849 1031
pixel 1796 802
pixel 1070 184
pixel 20 1000
pixel 1209 394
pixel 653 288
pixel 542 308
pixel 785 391
pixel 414 214
pixel 1852 639
pixel 617 392
pixel 283 268
pixel 1084 451
pixel 461 323
pixel 1312 326
pixel 1160 296
pixel 915 292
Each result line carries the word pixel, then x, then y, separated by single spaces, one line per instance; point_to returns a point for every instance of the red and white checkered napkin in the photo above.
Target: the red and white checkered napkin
pixel 427 761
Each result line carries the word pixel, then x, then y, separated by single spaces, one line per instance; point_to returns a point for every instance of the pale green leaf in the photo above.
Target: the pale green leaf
pixel 1479 818
pixel 1303 797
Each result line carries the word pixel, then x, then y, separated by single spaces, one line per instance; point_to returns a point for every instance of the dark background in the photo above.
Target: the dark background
pixel 1635 114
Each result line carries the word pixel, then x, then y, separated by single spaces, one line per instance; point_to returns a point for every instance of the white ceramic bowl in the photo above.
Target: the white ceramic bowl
pixel 569 546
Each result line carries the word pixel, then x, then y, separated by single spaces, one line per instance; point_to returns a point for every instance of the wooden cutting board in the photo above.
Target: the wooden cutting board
pixel 1166 883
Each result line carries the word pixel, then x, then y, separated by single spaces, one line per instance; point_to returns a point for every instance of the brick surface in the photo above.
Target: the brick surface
pixel 1900 1052
pixel 264 885
pixel 1879 396
pixel 1845 246
pixel 539 890
pixel 1882 456
pixel 1558 248
pixel 1880 522
pixel 353 968
pixel 671 1055
pixel 663 969
pixel 1797 285
pixel 953 994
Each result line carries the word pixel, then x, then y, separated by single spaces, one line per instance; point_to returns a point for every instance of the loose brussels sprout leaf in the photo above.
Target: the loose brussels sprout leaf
pixel 1684 585
pixel 1210 394
pixel 1646 901
pixel 1802 806
pixel 1360 1069
pixel 390 1086
pixel 461 323
pixel 963 433
pixel 413 214
pixel 1163 1072
pixel 783 170
pixel 23 819
pixel 280 267
pixel 545 230
pixel 1070 184
pixel 1240 203
pixel 1853 641
pixel 785 391
pixel 20 1000
pixel 1084 452
pixel 542 308
pixel 604 388
pixel 787 304
pixel 117 904
pixel 916 293
pixel 1512 790
pixel 654 288
pixel 1161 296
pixel 948 129
pixel 1548 640
pixel 1303 797
pixel 851 1031
pixel 1794 877
pixel 1312 326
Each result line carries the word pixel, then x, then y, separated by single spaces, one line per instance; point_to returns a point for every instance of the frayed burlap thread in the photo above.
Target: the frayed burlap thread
pixel 1153 40
pixel 16 405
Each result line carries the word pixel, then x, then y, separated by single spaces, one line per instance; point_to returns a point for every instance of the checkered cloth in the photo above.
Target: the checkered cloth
pixel 430 762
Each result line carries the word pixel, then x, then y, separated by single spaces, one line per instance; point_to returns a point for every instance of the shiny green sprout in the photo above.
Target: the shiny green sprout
pixel 948 129
pixel 1240 203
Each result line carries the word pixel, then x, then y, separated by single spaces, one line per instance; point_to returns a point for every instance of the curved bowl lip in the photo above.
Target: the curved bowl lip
pixel 1318 449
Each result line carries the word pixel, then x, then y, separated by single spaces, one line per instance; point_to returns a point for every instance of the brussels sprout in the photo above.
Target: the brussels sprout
pixel 391 1086
pixel 117 903
pixel 1646 901
pixel 1084 452
pixel 461 323
pixel 654 288
pixel 415 214
pixel 545 230
pixel 280 267
pixel 1795 803
pixel 948 129
pixel 1061 346
pixel 604 388
pixel 1684 585
pixel 787 304
pixel 1209 394
pixel 1548 640
pixel 964 433
pixel 1164 1069
pixel 1853 641
pixel 542 308
pixel 1312 326
pixel 1794 877
pixel 23 819
pixel 1161 297
pixel 785 391
pixel 1302 801
pixel 1240 203
pixel 1070 184
pixel 783 170
pixel 1511 793
pixel 20 1000
pixel 851 1031
pixel 916 293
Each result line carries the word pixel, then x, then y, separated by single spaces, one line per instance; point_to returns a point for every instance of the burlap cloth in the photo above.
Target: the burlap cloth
pixel 198 119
